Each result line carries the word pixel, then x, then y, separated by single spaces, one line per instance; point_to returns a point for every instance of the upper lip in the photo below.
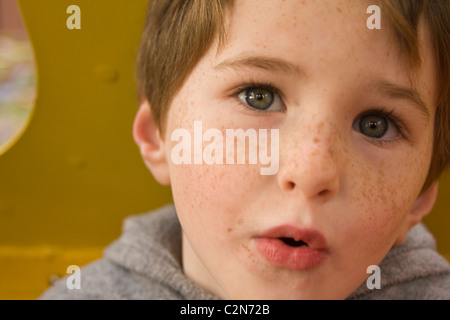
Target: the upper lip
pixel 313 238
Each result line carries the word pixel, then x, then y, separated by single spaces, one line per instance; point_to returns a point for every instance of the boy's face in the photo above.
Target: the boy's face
pixel 355 145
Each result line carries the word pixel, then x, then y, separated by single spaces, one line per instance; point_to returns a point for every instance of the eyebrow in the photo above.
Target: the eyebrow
pixel 277 65
pixel 411 95
pixel 264 63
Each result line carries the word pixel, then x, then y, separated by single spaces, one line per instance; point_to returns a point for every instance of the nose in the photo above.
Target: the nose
pixel 310 167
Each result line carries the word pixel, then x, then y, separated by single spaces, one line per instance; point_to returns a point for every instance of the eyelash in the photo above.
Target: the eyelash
pixel 382 112
pixel 396 121
pixel 253 84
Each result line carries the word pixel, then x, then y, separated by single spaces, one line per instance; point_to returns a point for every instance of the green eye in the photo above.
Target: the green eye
pixel 373 126
pixel 259 98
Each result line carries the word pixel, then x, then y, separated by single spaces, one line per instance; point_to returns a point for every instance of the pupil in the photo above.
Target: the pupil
pixel 373 126
pixel 260 99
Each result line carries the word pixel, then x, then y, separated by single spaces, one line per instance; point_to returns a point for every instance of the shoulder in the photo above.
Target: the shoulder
pixel 411 271
pixel 436 287
pixel 144 263
pixel 104 280
pixel 134 266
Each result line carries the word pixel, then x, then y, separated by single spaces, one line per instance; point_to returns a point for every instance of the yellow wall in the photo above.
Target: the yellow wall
pixel 75 173
pixel 438 221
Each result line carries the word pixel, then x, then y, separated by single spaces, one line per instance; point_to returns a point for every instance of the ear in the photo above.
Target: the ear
pixel 147 137
pixel 421 207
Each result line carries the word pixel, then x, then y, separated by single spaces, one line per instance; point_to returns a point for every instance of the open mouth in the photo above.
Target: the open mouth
pixel 293 243
pixel 292 247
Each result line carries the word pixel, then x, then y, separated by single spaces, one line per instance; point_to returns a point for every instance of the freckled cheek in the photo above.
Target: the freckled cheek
pixel 381 198
pixel 194 185
pixel 215 193
pixel 380 213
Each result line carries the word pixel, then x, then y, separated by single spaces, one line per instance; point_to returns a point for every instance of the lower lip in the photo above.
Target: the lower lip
pixel 296 258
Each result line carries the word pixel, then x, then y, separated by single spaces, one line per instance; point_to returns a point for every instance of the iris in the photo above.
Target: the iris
pixel 259 98
pixel 373 126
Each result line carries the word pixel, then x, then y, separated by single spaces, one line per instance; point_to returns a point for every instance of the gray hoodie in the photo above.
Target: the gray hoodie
pixel 145 263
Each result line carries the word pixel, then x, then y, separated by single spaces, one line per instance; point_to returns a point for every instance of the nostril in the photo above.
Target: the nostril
pixel 290 185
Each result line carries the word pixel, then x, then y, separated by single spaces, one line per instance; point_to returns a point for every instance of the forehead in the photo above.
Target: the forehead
pixel 327 37
pixel 300 21
pixel 310 15
pixel 329 31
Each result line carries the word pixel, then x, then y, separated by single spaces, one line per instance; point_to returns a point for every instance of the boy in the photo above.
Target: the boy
pixel 356 123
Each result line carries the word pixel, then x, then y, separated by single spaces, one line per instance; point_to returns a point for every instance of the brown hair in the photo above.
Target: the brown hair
pixel 405 16
pixel 178 33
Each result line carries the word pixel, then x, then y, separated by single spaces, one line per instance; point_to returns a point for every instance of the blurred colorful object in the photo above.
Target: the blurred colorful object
pixel 17 86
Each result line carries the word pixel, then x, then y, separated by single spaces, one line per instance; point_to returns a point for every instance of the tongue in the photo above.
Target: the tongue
pixel 292 243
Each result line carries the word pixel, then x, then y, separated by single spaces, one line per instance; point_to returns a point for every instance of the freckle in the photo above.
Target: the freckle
pixel 250 256
pixel 229 229
pixel 319 127
pixel 316 140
